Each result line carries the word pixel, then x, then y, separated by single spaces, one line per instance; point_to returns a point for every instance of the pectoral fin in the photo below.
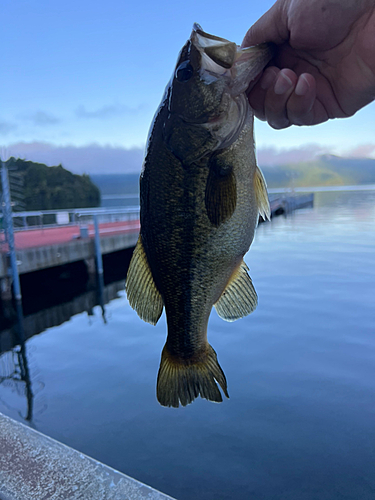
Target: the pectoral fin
pixel 142 293
pixel 260 189
pixel 239 298
pixel 221 195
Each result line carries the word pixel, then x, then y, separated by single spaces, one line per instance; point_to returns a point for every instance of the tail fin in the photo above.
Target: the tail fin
pixel 182 380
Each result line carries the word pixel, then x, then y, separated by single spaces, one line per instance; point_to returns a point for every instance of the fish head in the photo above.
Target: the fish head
pixel 207 105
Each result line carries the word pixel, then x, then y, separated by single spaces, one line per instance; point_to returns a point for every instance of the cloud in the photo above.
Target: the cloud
pixel 42 118
pixel 6 127
pixel 89 159
pixel 274 157
pixel 106 112
pixel 361 151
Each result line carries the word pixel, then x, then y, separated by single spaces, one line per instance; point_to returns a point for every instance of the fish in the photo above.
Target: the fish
pixel 201 195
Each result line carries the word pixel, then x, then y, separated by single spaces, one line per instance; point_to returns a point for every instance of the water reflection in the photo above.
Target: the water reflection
pixel 17 365
pixel 53 316
pixel 14 366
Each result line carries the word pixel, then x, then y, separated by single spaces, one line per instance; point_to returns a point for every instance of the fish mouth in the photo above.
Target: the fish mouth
pixel 220 57
pixel 197 28
pixel 217 54
pixel 214 107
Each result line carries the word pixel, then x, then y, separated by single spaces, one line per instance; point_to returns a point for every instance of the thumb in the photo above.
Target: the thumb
pixel 271 27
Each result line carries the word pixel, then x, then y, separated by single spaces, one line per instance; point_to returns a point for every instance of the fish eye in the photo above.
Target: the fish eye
pixel 184 72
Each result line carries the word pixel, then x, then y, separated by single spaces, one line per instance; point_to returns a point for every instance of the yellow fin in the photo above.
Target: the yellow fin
pixel 261 195
pixel 183 380
pixel 239 298
pixel 142 293
pixel 221 195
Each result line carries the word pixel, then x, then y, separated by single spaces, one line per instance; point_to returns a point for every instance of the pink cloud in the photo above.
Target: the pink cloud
pixel 361 151
pixel 273 156
pixel 92 158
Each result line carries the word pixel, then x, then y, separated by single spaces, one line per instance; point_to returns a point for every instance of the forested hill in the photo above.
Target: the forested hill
pixel 327 170
pixel 40 187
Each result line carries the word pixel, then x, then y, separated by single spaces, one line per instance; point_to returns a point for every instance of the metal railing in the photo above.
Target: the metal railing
pixel 78 216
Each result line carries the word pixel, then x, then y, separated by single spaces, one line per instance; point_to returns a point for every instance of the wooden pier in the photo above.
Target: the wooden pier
pixel 287 203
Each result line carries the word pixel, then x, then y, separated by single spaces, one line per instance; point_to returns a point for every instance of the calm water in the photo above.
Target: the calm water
pixel 300 421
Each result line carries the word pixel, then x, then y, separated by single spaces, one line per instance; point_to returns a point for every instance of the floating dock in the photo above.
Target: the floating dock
pixel 284 204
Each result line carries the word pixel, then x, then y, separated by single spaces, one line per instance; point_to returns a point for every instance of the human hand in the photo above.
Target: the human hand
pixel 324 64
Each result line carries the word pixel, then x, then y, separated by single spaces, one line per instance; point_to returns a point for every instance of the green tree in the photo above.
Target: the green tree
pixel 51 188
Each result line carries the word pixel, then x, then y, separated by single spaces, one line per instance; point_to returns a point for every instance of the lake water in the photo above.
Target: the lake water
pixel 300 421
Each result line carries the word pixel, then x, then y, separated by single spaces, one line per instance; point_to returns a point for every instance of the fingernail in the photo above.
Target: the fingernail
pixel 283 83
pixel 267 80
pixel 302 86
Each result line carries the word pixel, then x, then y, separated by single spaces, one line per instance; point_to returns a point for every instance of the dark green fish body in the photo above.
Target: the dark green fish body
pixel 201 195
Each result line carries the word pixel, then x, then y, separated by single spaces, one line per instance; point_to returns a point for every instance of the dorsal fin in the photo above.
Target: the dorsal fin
pixel 239 297
pixel 141 290
pixel 261 195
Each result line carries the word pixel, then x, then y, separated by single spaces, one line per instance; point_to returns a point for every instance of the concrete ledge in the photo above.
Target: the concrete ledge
pixel 36 467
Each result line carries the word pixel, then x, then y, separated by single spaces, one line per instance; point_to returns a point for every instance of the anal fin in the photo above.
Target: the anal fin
pixel 141 290
pixel 239 297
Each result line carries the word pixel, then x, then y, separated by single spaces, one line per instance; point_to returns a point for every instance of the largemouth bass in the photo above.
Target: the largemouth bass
pixel 201 194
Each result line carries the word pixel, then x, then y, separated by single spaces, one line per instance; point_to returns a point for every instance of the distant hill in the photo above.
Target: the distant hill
pixel 327 170
pixel 50 188
pixel 116 183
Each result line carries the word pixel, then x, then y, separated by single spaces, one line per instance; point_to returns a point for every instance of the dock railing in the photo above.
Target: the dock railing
pixel 69 217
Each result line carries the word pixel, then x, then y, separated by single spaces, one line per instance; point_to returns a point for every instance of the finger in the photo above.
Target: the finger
pixel 300 106
pixel 275 103
pixel 305 106
pixel 258 92
pixel 271 27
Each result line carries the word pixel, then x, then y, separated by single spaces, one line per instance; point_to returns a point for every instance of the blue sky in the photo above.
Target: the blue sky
pixel 85 75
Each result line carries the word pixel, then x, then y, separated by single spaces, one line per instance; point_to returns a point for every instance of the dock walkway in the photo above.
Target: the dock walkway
pixel 57 235
pixel 35 467
pixel 41 248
